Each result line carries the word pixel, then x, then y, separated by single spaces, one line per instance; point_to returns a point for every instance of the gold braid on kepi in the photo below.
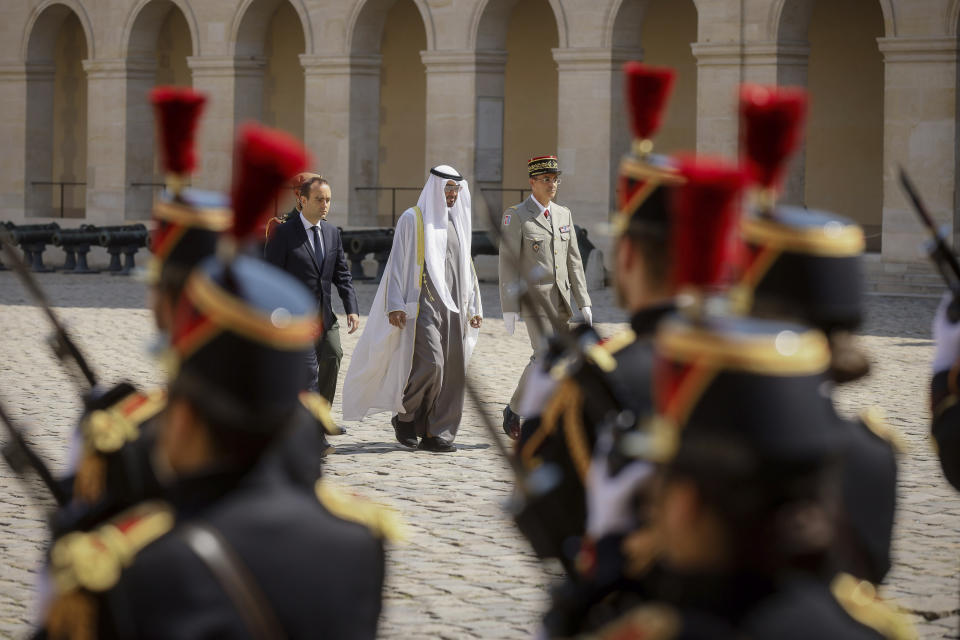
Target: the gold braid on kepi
pixel 757 380
pixel 543 164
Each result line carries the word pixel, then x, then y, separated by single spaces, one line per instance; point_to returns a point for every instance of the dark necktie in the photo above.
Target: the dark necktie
pixel 317 247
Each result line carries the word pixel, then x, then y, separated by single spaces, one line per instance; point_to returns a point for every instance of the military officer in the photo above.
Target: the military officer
pixel 230 546
pixel 539 252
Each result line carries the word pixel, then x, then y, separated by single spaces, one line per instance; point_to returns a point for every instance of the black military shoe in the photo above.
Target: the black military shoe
pixel 436 444
pixel 405 431
pixel 511 423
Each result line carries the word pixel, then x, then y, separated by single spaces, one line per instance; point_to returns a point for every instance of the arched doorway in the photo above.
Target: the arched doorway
pixel 844 143
pixel 403 110
pixel 387 110
pixel 56 127
pixel 519 104
pixel 158 46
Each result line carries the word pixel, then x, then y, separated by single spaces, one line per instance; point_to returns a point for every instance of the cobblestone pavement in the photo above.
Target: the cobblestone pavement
pixel 464 571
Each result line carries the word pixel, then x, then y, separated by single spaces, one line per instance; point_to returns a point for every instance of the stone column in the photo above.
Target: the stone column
pixel 140 133
pixel 26 100
pixel 719 74
pixel 106 139
pixel 342 128
pixel 465 120
pixel 919 134
pixel 784 64
pixel 588 155
pixel 221 78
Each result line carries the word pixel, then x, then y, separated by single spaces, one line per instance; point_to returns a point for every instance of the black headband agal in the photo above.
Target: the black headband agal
pixel 448 176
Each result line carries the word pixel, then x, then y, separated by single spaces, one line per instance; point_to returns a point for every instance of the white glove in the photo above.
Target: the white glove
pixel 538 388
pixel 946 336
pixel 609 508
pixel 510 321
pixel 587 316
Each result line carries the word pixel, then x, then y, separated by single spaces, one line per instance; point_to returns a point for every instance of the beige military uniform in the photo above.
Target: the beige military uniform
pixel 549 260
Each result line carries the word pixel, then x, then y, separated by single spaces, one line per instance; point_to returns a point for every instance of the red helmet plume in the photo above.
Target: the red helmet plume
pixel 704 211
pixel 177 110
pixel 647 90
pixel 772 127
pixel 265 160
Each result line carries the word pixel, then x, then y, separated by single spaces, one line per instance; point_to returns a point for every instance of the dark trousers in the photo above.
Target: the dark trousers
pixel 323 363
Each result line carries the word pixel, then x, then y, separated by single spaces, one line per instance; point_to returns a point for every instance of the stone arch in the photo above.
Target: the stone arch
pixel 145 20
pixel 55 146
pixel 365 25
pixel 789 20
pixel 841 165
pixel 953 18
pixel 251 21
pixel 488 25
pixel 155 51
pixel 44 23
pixel 623 17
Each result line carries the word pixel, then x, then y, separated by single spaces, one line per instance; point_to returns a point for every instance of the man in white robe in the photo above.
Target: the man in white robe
pixel 412 357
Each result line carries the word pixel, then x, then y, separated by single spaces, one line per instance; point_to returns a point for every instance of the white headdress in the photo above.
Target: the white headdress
pixel 433 204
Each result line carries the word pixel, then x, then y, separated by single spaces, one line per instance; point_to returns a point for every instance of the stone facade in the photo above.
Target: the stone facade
pixel 382 89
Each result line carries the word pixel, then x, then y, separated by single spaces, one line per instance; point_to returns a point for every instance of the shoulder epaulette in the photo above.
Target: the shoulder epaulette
pixel 94 560
pixel 106 430
pixel 619 341
pixel 649 621
pixel 875 420
pixel 319 408
pixel 859 599
pixel 382 522
pixel 83 564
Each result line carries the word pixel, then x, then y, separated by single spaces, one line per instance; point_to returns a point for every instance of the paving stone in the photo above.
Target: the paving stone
pixel 465 571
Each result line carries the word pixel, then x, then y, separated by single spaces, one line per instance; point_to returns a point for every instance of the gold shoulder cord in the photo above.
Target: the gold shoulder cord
pixel 383 522
pixel 84 564
pixel 860 600
pixel 649 621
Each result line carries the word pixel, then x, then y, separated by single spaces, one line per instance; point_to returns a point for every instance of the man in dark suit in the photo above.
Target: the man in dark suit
pixel 311 249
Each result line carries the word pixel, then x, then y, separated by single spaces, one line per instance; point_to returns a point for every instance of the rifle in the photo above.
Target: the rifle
pixel 19 456
pixel 938 250
pixel 63 345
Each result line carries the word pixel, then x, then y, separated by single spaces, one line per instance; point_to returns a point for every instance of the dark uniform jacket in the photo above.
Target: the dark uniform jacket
pixel 946 424
pixel 321 576
pixel 289 249
pixel 787 607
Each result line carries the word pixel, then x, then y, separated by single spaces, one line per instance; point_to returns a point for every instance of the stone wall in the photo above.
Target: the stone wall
pixel 883 75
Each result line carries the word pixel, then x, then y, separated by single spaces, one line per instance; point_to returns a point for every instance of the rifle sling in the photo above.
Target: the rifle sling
pixel 237 582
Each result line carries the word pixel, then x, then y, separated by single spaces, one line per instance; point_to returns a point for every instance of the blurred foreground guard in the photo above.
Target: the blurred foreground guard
pixel 614 381
pixel 806 266
pixel 238 546
pixel 745 510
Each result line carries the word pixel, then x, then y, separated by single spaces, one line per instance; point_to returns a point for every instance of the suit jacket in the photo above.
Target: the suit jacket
pixel 548 249
pixel 289 249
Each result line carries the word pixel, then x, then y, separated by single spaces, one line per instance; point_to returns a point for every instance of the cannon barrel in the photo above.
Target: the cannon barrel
pixel 127 235
pixel 85 234
pixel 33 233
pixel 367 241
pixel 482 244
